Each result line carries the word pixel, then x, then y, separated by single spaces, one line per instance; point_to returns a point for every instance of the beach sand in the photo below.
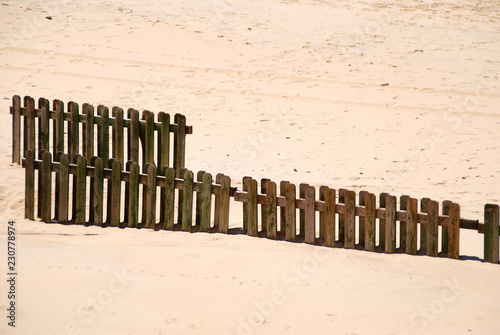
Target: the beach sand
pixel 365 95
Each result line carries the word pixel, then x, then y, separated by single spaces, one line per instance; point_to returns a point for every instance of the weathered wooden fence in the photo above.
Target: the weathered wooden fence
pixel 82 140
pixel 341 222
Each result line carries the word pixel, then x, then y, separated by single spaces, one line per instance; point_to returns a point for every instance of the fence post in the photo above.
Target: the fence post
pixel 30 123
pixel 149 138
pixel 118 134
pixel 46 186
pixel 382 229
pixel 403 204
pixel 116 169
pixel 217 205
pixel 187 201
pixel 423 227
pixel 80 194
pixel 370 216
pixel 98 192
pixel 43 131
pixel 390 224
pixel 164 139
pixel 411 226
pixel 16 129
pixel 199 178
pixel 329 233
pixel 432 228
pixel 272 211
pixel 302 212
pixel 91 193
pixel 362 219
pixel 252 229
pixel 134 136
pixel 290 213
pixel 491 220
pixel 322 191
pixel 29 196
pixel 133 196
pixel 179 143
pixel 73 132
pixel 169 200
pixel 206 202
pixel 151 198
pixel 89 132
pixel 225 185
pixel 263 207
pixel 342 192
pixel 445 230
pixel 103 135
pixel 245 204
pixel 310 215
pixel 63 189
pixel 283 184
pixel 350 219
pixel 59 126
pixel 454 231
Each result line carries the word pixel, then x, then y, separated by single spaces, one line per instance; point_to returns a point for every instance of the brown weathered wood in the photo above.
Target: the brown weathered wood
pixel 63 189
pixel 91 194
pixel 103 135
pixel 432 228
pixel 370 226
pixel 491 222
pixel 272 210
pixel 223 212
pixel 205 202
pixel 329 229
pixel 126 204
pixel 342 228
pixel 187 201
pixel 89 132
pixel 263 207
pixel 84 131
pixel 134 136
pixel 290 213
pixel 180 197
pixel 144 198
pixel 73 132
pixel 454 231
pixel 44 122
pixel 390 224
pixel 381 222
pixel 30 123
pixel 302 212
pixel 282 226
pixel 180 142
pixel 199 178
pixel 217 202
pixel 322 191
pixel 252 228
pixel 245 181
pixel 118 152
pixel 350 219
pixel 403 203
pixel 133 196
pixel 81 188
pixel 149 151
pixel 310 215
pixel 164 139
pixel 16 129
pixel 361 219
pixel 411 226
pixel 169 201
pixel 116 168
pixel 29 196
pixel 59 126
pixel 423 227
pixel 151 197
pixel 444 231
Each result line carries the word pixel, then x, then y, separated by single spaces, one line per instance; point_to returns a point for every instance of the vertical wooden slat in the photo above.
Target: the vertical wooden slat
pixel 151 198
pixel 342 192
pixel 272 210
pixel 350 219
pixel 423 227
pixel 382 229
pixel 46 184
pixel 59 127
pixel 302 212
pixel 127 195
pixel 16 129
pixel 225 184
pixel 245 181
pixel 252 228
pixel 63 189
pixel 169 201
pixel 164 140
pixel 454 231
pixel 290 213
pixel 217 205
pixel 187 201
pixel 180 198
pixel 108 202
pixel 411 226
pixel 283 184
pixel 98 191
pixel 445 230
pixel 180 142
pixel 361 219
pixel 144 199
pixel 199 178
pixel 91 194
pixel 133 196
pixel 80 189
pixel 74 133
pixel 103 135
pixel 432 228
pixel 206 202
pixel 390 224
pixel 134 136
pixel 150 138
pixel 118 135
pixel 29 196
pixel 329 232
pixel 370 217
pixel 89 132
pixel 322 191
pixel 43 131
pixel 263 207
pixel 491 221
pixel 30 124
pixel 116 169
pixel 310 215
pixel 403 203
pixel 84 132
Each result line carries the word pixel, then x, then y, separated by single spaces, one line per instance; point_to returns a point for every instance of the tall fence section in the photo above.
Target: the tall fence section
pixel 109 194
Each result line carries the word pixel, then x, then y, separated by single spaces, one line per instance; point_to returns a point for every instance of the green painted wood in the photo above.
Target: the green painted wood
pixel 44 122
pixel 180 142
pixel 133 196
pixel 118 152
pixel 282 223
pixel 29 196
pixel 491 246
pixel 187 201
pixel 432 228
pixel 252 228
pixel 423 227
pixel 411 225
pixel 454 231
pixel 302 212
pixel 290 213
pixel 59 127
pixel 390 224
pixel 245 181
pixel 103 135
pixel 445 230
pixel 382 228
pixel 151 197
pixel 46 186
pixel 223 205
pixel 217 205
pixel 361 219
pixel 164 140
pixel 63 189
pixel 322 191
pixel 169 202
pixel 205 202
pixel 89 132
pixel 342 228
pixel 272 210
pixel 310 215
pixel 81 188
pixel 74 133
pixel 199 178
pixel 403 203
pixel 350 220
pixel 16 129
pixel 30 123
pixel 134 136
pixel 370 218
pixel 263 207
pixel 330 208
pixel 116 169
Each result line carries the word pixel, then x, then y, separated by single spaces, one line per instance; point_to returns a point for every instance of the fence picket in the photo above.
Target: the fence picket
pixel 16 129
pixel 381 222
pixel 252 228
pixel 423 227
pixel 206 202
pixel 263 207
pixel 30 123
pixel 151 198
pixel 329 229
pixel 98 192
pixel 310 215
pixel 272 210
pixel 217 206
pixel 283 208
pixel 411 226
pixel 43 130
pixel 454 231
pixel 89 132
pixel 223 205
pixel 390 224
pixel 80 194
pixel 445 230
pixel 118 135
pixel 103 135
pixel 370 217
pixel 169 200
pixel 290 213
pixel 350 219
pixel 403 204
pixel 432 228
pixel 322 190
pixel 29 195
pixel 59 126
pixel 74 132
pixel 342 192
pixel 134 136
pixel 491 221
pixel 187 201
pixel 133 196
pixel 199 178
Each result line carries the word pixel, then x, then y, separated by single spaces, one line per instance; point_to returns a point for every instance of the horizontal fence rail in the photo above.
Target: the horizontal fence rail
pixel 71 138
pixel 328 217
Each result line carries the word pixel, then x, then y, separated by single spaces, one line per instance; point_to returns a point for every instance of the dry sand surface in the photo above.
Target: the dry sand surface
pixel 399 97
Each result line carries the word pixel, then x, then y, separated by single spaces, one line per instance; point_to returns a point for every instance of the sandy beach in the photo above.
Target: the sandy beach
pixel 398 97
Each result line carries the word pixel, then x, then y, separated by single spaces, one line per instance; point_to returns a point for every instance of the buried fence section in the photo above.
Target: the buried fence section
pixel 73 132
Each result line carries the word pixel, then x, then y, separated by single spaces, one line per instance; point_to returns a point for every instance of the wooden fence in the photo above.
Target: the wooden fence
pixel 83 140
pixel 341 222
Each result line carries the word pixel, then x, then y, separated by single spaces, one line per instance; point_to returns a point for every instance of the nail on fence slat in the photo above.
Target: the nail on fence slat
pixel 272 210
pixel 29 196
pixel 225 184
pixel 133 196
pixel 16 129
pixel 390 224
pixel 206 202
pixel 454 231
pixel 310 215
pixel 290 215
pixel 370 218
pixel 411 226
pixel 187 201
pixel 350 219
